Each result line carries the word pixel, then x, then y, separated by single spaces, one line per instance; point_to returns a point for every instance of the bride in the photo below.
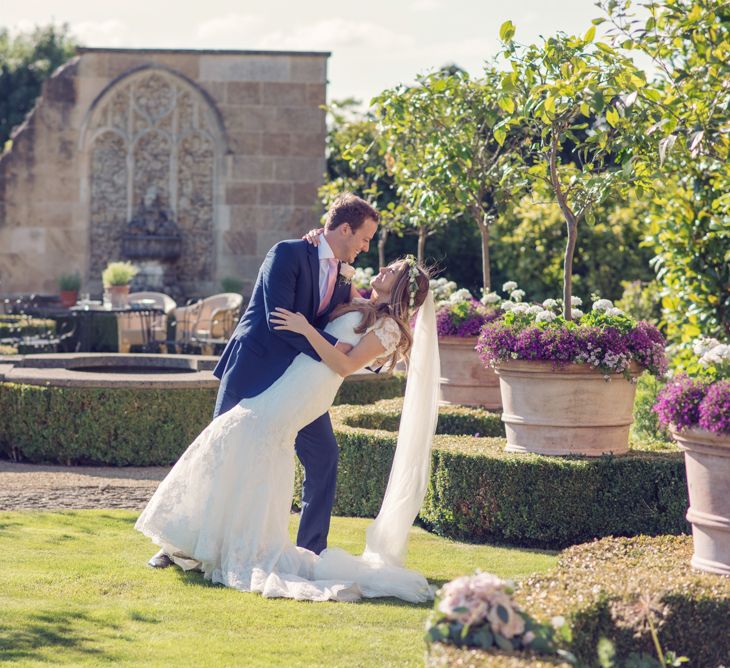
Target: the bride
pixel 224 507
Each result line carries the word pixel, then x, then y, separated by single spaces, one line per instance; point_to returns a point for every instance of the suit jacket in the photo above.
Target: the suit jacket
pixel 257 355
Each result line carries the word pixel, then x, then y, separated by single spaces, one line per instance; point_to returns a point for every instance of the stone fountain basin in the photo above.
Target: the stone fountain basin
pixel 111 370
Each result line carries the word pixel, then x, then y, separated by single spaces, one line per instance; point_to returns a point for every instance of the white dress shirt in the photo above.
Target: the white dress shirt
pixel 325 253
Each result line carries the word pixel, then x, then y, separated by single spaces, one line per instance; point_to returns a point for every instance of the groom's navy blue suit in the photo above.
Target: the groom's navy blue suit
pixel 257 355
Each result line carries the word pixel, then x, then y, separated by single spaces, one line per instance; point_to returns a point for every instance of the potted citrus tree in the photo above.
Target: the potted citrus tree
pixel 116 278
pixel 69 286
pixel 574 101
pixel 459 318
pixel 697 412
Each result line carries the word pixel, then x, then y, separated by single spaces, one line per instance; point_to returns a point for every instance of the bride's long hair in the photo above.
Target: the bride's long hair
pixel 404 300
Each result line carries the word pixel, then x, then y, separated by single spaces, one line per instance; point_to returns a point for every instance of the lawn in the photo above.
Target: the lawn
pixel 75 590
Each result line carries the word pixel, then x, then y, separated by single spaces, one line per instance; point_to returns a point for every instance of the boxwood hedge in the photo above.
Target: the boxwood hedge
pixel 120 426
pixel 606 589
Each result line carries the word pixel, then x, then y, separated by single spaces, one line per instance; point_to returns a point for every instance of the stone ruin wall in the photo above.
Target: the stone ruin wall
pixel 231 143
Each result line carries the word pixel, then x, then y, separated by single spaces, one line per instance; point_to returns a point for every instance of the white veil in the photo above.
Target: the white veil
pixel 387 536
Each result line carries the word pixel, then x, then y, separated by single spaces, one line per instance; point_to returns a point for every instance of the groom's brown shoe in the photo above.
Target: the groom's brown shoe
pixel 160 560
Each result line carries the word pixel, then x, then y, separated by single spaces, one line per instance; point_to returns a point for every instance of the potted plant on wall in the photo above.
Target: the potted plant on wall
pixel 116 278
pixel 459 318
pixel 576 103
pixel 69 286
pixel 697 412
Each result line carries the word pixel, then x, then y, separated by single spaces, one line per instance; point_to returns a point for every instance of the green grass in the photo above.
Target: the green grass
pixel 75 590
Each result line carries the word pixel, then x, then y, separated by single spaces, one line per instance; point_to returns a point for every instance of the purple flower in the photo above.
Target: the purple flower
pixel 678 403
pixel 463 319
pixel 714 409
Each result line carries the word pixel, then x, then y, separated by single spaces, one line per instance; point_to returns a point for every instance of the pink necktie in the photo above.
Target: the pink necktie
pixel 331 277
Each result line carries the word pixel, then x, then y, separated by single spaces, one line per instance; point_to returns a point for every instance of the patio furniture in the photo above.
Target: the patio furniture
pixel 145 324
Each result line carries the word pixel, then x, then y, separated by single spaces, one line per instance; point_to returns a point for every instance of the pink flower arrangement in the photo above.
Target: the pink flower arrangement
pixel 478 611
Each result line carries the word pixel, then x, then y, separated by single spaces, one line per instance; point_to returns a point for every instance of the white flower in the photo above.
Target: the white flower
pixel 534 310
pixel 703 344
pixel 462 295
pixel 602 305
pixel 520 307
pixel 716 355
pixel 550 303
pixel 517 295
pixel 509 286
pixel 490 298
pixel 576 301
pixel 614 311
pixel 576 313
pixel 545 316
pixel 347 271
pixel 508 306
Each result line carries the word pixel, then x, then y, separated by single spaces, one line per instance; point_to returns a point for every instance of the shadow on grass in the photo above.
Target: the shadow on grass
pixel 73 633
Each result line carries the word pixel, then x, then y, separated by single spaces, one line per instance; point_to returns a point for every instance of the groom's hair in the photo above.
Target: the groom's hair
pixel 349 208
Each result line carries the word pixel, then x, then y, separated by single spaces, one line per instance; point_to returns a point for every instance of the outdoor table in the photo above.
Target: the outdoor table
pixel 92 322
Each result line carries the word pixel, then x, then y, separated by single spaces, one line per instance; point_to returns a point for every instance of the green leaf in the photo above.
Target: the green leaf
pixel 500 135
pixel 507 103
pixel 585 109
pixel 507 31
pixel 590 34
pixel 612 117
pixel 549 104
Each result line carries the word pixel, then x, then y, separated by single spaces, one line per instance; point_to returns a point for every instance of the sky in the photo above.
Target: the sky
pixel 375 45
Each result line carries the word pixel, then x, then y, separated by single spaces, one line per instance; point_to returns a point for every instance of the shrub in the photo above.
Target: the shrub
pixel 479 492
pixel 18 326
pixel 606 589
pixel 120 426
pixel 118 273
pixel 446 656
pixel 646 425
pixel 70 282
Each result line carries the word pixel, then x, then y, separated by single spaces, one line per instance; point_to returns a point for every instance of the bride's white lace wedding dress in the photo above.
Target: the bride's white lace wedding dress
pixel 225 506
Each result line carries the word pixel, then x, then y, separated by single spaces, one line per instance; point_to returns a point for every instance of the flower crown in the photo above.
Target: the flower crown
pixel 413 274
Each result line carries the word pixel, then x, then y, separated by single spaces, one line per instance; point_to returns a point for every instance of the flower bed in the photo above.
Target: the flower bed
pixel 605 339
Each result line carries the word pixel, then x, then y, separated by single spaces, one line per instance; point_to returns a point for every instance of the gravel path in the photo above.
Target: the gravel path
pixel 45 487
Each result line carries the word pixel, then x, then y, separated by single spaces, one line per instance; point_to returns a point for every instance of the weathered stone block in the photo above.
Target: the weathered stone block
pixel 316 94
pixel 284 94
pixel 295 169
pixel 242 193
pixel 308 145
pixel 275 143
pixel 239 241
pixel 305 194
pixel 298 119
pixel 253 168
pixel 245 68
pixel 245 143
pixel 279 194
pixel 309 69
pixel 243 92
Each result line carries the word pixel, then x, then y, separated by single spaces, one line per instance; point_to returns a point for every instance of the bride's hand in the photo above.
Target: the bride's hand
pixel 293 322
pixel 312 236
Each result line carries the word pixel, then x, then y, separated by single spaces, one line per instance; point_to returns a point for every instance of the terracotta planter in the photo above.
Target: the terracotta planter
pixel 707 458
pixel 464 380
pixel 570 410
pixel 68 297
pixel 119 295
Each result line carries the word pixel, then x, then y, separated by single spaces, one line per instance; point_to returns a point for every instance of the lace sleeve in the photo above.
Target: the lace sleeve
pixel 388 332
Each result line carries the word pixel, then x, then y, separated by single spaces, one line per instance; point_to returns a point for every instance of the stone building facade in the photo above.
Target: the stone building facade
pixel 227 145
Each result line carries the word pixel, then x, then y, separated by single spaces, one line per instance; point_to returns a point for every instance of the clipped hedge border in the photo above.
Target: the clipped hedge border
pixel 18 326
pixel 447 656
pixel 481 493
pixel 122 426
pixel 599 586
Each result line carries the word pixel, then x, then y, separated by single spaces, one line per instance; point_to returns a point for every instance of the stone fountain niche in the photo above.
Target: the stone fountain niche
pixel 153 241
pixel 154 144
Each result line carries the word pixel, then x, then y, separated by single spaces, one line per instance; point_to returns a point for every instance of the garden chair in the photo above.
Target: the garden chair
pixel 217 318
pixel 136 329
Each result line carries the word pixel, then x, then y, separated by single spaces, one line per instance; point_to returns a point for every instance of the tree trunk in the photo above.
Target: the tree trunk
pixel 572 225
pixel 382 238
pixel 422 234
pixel 486 268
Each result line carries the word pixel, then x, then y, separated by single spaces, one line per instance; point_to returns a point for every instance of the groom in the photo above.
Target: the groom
pixel 300 277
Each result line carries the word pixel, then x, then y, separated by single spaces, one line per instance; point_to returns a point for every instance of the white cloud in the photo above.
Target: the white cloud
pixel 425 5
pixel 231 28
pixel 329 34
pixel 111 32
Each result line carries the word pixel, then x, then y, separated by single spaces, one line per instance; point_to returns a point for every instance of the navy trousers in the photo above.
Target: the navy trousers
pixel 317 450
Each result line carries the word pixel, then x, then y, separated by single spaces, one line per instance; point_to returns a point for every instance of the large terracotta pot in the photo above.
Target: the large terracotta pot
pixel 464 380
pixel 68 297
pixel 707 458
pixel 570 410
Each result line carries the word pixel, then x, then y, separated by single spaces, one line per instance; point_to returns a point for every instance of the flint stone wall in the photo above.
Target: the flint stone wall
pixel 232 143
